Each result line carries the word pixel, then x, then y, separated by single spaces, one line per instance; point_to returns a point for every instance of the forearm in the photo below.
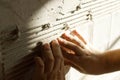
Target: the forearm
pixel 105 62
pixel 112 60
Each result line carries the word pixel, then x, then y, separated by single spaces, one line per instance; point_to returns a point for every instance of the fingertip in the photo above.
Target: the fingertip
pixel 74 31
pixel 63 35
pixel 46 46
pixel 60 39
pixel 53 42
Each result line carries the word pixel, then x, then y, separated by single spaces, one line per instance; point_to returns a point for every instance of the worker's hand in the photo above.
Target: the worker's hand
pixel 50 66
pixel 77 54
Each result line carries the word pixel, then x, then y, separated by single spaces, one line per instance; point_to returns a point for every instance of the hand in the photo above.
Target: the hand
pixel 77 54
pixel 50 65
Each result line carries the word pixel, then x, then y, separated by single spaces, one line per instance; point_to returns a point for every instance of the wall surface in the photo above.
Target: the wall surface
pixel 28 15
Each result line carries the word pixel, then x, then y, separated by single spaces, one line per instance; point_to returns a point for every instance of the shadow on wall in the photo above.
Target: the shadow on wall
pixel 15 54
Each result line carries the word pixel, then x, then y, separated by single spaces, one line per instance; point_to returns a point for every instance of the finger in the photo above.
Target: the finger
pixel 73 60
pixel 70 45
pixel 75 33
pixel 39 65
pixel 69 38
pixel 61 75
pixel 74 40
pixel 57 54
pixel 68 56
pixel 49 59
pixel 61 72
pixel 69 51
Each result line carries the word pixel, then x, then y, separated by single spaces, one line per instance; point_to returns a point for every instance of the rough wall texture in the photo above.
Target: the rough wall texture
pixel 27 14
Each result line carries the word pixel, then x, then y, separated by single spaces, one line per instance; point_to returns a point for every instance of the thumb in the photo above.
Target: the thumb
pixel 72 60
pixel 69 55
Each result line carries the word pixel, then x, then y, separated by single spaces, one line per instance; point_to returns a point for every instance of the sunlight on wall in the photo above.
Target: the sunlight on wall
pixel 105 30
pixel 100 32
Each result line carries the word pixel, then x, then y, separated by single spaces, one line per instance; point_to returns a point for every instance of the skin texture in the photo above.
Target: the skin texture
pixel 80 57
pixel 89 61
pixel 50 63
pixel 72 50
pixel 112 58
